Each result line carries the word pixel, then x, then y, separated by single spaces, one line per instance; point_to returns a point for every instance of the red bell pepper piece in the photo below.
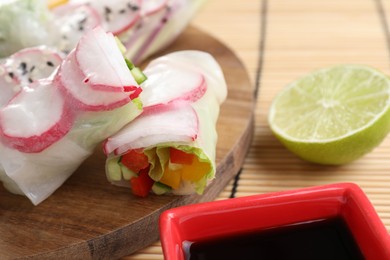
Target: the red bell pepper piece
pixel 135 160
pixel 142 184
pixel 180 157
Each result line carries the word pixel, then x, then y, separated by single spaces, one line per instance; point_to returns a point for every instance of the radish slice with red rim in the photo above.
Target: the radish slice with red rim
pixel 83 95
pixel 151 128
pixel 150 7
pixel 32 64
pixel 202 62
pixel 168 82
pixel 96 75
pixel 112 72
pixel 118 15
pixel 35 118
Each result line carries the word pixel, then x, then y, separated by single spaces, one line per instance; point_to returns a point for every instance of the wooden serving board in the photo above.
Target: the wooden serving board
pixel 89 218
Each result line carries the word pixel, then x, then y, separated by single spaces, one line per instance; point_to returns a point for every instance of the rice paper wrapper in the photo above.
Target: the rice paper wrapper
pixel 38 175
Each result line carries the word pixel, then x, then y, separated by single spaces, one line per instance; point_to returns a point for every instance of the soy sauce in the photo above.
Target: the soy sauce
pixel 322 239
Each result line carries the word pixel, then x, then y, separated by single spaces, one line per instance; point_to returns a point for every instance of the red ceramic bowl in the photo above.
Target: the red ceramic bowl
pixel 204 221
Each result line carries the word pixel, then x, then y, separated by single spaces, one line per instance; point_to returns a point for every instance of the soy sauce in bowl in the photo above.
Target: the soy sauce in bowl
pixel 318 239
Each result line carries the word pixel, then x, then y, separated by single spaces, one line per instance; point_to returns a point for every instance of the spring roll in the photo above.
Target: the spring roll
pixel 159 23
pixel 171 146
pixel 51 125
pixel 144 26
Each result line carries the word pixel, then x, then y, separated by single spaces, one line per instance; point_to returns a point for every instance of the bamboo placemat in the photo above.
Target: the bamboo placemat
pixel 279 41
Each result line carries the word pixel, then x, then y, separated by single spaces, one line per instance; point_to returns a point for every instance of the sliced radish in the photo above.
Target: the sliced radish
pixel 136 38
pixel 117 15
pixel 8 86
pixel 35 118
pixel 177 122
pixel 150 7
pixel 111 71
pixel 72 21
pixel 156 23
pixel 203 63
pixel 32 64
pixel 84 96
pixel 169 81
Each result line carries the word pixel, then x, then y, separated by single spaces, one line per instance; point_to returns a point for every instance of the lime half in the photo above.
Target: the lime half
pixel 333 115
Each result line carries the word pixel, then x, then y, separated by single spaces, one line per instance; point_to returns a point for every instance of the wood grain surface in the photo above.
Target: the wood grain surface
pixel 89 218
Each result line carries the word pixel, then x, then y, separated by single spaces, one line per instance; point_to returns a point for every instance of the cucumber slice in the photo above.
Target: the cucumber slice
pixel 121 47
pixel 129 64
pixel 138 75
pixel 160 188
pixel 126 172
pixel 114 170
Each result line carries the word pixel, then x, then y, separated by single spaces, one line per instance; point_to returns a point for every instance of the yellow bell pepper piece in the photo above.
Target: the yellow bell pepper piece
pixel 171 177
pixel 195 171
pixel 54 3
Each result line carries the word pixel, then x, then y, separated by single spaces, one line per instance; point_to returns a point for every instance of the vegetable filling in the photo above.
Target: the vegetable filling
pixel 181 166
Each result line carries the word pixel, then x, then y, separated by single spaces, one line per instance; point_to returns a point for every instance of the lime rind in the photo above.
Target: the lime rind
pixel 333 115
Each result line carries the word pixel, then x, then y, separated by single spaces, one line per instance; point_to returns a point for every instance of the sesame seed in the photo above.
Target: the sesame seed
pixel 132 7
pixel 107 10
pixel 23 66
